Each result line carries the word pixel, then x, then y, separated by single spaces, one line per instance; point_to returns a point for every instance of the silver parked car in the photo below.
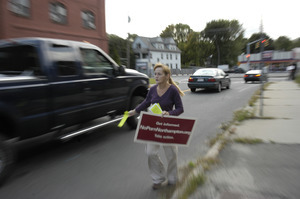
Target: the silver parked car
pixel 209 78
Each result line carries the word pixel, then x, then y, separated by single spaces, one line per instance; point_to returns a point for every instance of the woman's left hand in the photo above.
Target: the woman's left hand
pixel 165 113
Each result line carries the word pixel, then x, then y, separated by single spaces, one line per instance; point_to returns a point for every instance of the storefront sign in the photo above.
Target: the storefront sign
pixel 167 130
pixel 267 55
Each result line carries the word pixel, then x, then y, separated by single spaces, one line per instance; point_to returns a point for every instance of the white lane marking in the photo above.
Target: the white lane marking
pixel 237 82
pixel 245 88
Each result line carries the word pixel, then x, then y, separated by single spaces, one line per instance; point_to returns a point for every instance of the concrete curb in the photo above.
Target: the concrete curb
pixel 180 190
pixel 212 153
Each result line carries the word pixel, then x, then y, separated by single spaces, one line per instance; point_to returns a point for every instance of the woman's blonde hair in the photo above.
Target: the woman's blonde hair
pixel 167 71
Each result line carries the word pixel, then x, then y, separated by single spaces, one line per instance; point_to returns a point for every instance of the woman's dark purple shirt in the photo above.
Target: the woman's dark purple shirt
pixel 167 101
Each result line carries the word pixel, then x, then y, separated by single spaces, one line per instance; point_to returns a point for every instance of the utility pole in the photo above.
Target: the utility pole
pixel 262 70
pixel 248 51
pixel 128 52
pixel 128 46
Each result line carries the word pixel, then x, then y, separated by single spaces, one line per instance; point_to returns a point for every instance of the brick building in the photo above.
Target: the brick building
pixel 80 20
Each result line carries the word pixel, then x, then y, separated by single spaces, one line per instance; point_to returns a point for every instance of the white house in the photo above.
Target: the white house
pixel 149 51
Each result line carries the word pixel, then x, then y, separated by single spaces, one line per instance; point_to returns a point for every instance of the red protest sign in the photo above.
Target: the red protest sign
pixel 167 130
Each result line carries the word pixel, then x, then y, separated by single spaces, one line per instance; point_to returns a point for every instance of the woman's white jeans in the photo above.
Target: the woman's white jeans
pixel 156 167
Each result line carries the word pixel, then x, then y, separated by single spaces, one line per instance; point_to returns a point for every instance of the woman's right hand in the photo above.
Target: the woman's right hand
pixel 131 113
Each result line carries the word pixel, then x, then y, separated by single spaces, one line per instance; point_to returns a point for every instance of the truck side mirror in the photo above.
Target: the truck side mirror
pixel 121 70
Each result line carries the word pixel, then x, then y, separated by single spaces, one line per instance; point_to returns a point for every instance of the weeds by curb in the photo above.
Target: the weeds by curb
pixel 193 184
pixel 248 140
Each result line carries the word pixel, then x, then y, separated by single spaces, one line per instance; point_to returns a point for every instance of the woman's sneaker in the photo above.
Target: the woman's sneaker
pixel 159 185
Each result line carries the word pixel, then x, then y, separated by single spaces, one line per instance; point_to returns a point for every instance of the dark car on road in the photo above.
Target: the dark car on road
pixel 255 75
pixel 209 78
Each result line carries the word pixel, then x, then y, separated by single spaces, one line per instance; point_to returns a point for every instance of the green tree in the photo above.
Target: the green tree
pixel 113 53
pixel 283 43
pixel 227 37
pixel 296 43
pixel 179 32
pixel 197 50
pixel 118 49
pixel 192 50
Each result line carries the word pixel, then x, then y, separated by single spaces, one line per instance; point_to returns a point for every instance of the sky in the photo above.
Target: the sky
pixel 150 17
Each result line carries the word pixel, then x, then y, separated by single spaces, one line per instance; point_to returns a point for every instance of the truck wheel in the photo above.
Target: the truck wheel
pixel 6 160
pixel 133 121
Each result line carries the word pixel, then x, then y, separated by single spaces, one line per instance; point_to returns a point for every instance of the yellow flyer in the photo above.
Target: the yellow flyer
pixel 155 108
pixel 125 116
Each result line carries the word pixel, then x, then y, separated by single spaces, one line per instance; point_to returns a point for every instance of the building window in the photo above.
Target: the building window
pixel 137 56
pixel 162 56
pixel 58 13
pixel 138 46
pixel 157 59
pixel 159 46
pixel 176 56
pixel 88 19
pixel 150 55
pixel 170 56
pixel 167 56
pixel 19 7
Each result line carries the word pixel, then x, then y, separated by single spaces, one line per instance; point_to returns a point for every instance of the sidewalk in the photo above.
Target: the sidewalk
pixel 268 170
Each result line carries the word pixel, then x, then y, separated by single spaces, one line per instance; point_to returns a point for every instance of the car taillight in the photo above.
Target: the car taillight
pixel 246 75
pixel 191 79
pixel 258 75
pixel 211 80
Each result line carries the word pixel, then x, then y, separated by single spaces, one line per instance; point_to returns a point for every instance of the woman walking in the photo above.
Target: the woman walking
pixel 167 94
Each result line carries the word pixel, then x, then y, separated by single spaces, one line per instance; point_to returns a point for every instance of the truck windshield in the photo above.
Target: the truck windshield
pixel 20 60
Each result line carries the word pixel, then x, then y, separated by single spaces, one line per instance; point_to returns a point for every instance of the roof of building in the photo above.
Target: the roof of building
pixel 150 44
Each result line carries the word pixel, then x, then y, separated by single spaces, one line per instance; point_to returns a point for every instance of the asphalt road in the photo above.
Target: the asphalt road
pixel 107 163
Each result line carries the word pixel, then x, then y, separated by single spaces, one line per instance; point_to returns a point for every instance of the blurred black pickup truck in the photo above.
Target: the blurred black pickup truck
pixel 55 88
